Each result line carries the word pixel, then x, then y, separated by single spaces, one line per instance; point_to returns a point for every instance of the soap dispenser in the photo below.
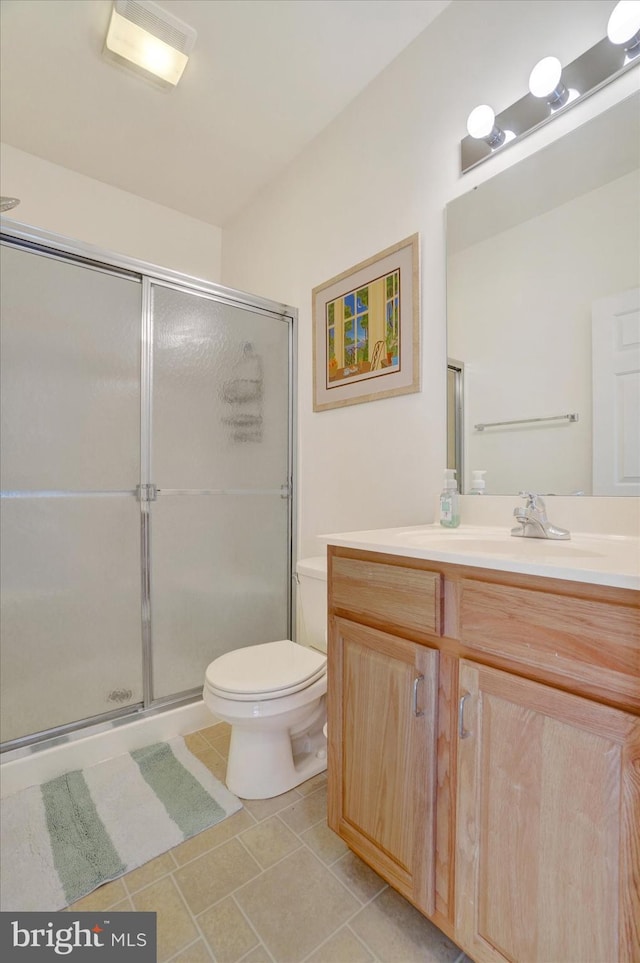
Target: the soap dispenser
pixel 477 482
pixel 450 501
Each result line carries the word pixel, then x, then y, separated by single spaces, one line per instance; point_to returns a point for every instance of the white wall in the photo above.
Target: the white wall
pixel 385 168
pixel 59 200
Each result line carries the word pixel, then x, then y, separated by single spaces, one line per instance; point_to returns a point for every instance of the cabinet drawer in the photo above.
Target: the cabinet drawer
pixel 567 639
pixel 408 598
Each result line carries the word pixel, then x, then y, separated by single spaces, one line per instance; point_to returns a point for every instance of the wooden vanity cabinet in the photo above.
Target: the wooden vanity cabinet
pixel 384 760
pixel 382 723
pixel 548 824
pixel 509 811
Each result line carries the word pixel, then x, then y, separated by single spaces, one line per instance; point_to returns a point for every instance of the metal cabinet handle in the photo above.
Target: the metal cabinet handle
pixel 462 732
pixel 416 683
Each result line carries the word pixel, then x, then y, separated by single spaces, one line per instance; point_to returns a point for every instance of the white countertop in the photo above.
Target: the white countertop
pixel 598 559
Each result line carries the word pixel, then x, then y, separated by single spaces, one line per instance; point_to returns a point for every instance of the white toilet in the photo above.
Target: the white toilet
pixel 274 697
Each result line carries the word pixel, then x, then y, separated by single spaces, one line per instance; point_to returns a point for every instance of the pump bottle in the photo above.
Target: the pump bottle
pixel 450 501
pixel 477 482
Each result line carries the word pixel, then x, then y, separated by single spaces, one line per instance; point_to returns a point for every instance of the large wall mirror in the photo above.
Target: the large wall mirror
pixel 543 316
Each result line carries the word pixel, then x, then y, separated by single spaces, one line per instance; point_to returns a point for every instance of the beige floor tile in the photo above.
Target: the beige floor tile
pixel 263 808
pixel 344 947
pixel 324 842
pixel 219 737
pixel 394 930
pixel 176 928
pixel 259 955
pixel 125 906
pixel 316 782
pixel 270 841
pixel 195 741
pixel 227 931
pixel 211 877
pixel 149 872
pixel 307 811
pixel 104 897
pixel 210 838
pixel 358 877
pixel 215 763
pixel 295 905
pixel 196 953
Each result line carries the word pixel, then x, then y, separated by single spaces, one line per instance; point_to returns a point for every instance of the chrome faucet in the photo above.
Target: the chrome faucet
pixel 533 521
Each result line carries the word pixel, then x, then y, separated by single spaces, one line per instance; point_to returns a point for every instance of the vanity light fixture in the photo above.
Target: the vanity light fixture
pixel 143 35
pixel 623 27
pixel 552 87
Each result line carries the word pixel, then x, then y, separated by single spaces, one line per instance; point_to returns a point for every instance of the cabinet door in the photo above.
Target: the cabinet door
pixel 382 748
pixel 548 824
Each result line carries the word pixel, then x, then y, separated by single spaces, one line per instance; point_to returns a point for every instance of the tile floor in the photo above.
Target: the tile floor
pixel 272 884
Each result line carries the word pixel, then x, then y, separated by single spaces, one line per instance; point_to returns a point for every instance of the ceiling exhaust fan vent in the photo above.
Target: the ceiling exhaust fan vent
pixel 152 18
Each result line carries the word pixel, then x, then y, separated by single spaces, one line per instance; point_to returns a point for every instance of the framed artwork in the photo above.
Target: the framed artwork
pixel 366 330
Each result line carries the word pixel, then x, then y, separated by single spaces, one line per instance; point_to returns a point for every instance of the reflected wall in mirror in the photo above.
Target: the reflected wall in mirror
pixel 543 314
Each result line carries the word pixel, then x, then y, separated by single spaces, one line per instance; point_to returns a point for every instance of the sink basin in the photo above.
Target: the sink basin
pixel 508 546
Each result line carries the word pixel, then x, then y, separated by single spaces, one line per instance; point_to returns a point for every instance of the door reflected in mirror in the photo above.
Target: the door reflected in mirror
pixel 543 316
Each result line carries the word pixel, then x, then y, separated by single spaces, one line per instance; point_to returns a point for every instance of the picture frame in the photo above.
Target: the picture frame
pixel 366 330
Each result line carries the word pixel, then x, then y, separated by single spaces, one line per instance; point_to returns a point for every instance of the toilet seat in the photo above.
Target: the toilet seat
pixel 270 670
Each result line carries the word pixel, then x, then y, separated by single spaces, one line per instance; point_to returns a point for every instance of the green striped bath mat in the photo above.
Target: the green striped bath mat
pixel 64 838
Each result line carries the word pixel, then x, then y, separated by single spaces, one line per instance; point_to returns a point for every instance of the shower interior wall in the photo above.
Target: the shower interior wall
pixel 147 483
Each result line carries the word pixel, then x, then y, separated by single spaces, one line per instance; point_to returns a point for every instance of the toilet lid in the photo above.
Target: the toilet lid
pixel 275 668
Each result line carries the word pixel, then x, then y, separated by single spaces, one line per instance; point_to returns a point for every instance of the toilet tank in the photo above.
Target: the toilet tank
pixel 311 609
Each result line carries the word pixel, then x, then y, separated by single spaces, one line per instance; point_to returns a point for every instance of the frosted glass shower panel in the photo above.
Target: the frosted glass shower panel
pixel 70 350
pixel 70 610
pixel 220 394
pixel 146 463
pixel 219 576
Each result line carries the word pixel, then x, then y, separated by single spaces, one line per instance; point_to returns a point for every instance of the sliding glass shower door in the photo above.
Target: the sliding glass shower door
pixel 219 459
pixel 146 502
pixel 70 542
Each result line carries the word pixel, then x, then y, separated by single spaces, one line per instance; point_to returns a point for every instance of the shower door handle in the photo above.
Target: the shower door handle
pixel 146 493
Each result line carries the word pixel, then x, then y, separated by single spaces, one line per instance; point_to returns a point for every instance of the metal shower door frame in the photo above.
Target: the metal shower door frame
pixel 46 243
pixel 149 490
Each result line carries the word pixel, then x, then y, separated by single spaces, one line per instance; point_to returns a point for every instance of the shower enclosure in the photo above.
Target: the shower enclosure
pixel 147 498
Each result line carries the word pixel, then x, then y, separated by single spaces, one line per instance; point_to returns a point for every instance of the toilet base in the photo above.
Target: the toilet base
pixel 263 764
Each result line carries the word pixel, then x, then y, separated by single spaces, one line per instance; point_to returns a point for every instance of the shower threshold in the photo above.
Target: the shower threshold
pixel 38 762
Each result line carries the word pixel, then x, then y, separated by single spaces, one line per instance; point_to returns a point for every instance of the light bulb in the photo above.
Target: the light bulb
pixel 155 56
pixel 481 125
pixel 624 24
pixel 545 80
pixel 481 121
pixel 545 77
